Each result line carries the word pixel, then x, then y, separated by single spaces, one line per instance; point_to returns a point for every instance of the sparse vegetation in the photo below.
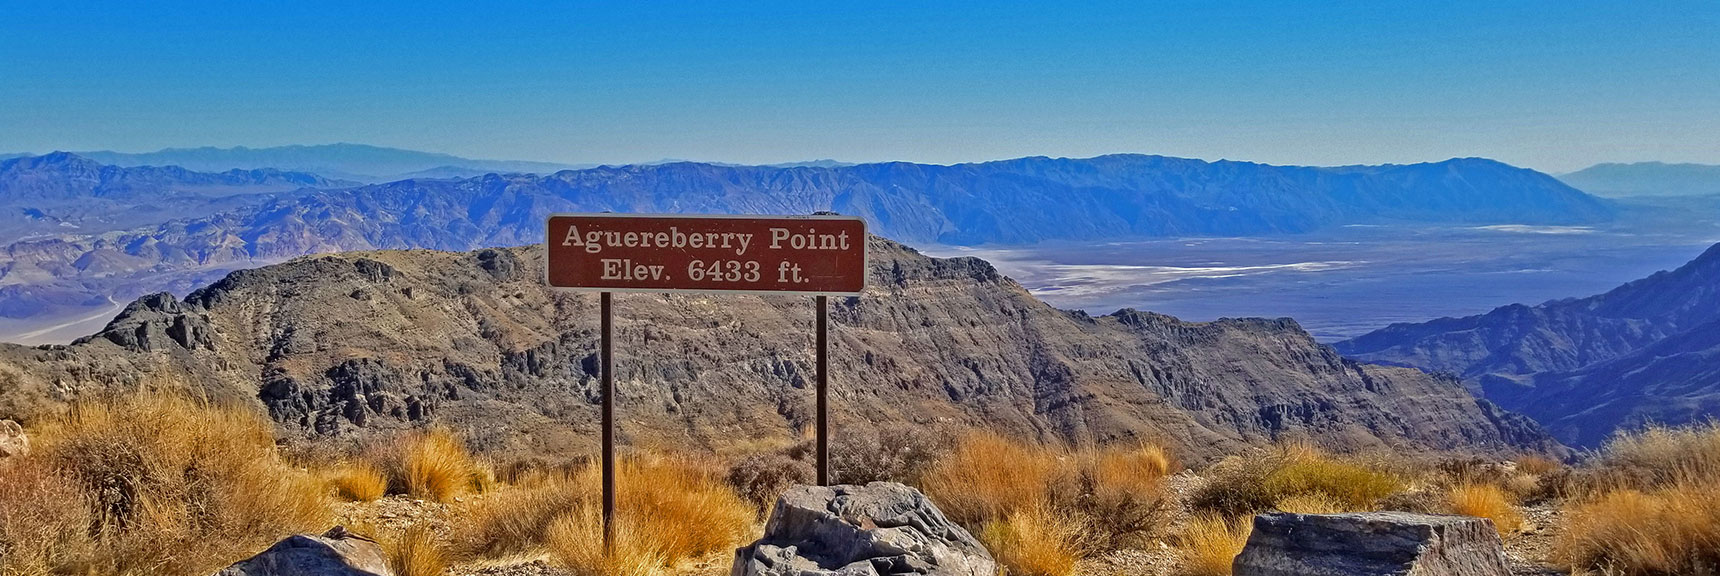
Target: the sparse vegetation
pixel 415 552
pixel 1102 498
pixel 359 481
pixel 138 486
pixel 669 510
pixel 1487 501
pixel 1266 479
pixel 1648 507
pixel 1209 544
pixel 1036 541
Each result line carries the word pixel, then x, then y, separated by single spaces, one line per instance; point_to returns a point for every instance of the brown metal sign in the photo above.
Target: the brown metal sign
pixel 706 253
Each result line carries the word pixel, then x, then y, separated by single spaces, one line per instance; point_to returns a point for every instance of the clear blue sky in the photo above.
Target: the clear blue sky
pixel 1549 85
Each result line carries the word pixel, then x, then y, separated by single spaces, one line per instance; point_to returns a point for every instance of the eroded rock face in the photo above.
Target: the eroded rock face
pixel 1373 543
pixel 335 553
pixel 879 529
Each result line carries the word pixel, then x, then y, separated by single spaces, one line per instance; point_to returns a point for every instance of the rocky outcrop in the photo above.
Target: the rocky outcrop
pixel 335 553
pixel 1373 543
pixel 357 344
pixel 879 529
pixel 13 442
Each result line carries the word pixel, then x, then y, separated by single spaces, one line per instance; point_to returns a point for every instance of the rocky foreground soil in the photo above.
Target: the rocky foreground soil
pixel 1527 551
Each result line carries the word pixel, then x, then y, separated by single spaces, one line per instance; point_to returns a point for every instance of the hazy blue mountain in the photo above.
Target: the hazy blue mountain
pixel 1014 201
pixel 350 161
pixel 63 193
pixel 1646 179
pixel 1644 351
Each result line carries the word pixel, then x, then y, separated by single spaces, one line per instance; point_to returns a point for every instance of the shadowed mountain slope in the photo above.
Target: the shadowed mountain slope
pixel 344 345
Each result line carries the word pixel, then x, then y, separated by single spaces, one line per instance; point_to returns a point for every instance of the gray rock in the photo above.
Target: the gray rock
pixel 879 529
pixel 1371 544
pixel 335 553
pixel 13 442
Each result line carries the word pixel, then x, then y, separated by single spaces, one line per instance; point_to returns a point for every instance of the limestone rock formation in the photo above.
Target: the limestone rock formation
pixel 1371 544
pixel 879 529
pixel 335 553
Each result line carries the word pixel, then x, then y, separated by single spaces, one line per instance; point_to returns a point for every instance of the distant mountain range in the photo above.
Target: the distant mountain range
pixel 1647 351
pixel 356 162
pixel 1009 202
pixel 1646 179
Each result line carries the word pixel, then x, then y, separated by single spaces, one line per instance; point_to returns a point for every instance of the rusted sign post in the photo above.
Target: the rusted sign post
pixel 817 255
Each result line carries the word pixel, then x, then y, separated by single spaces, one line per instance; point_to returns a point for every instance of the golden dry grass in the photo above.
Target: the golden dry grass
pixel 1036 541
pixel 1649 508
pixel 988 476
pixel 1311 503
pixel 359 481
pixel 1486 501
pixel 156 476
pixel 434 465
pixel 414 552
pixel 669 510
pixel 1209 544
pixel 1103 498
pixel 1264 479
pixel 44 521
pixel 1537 465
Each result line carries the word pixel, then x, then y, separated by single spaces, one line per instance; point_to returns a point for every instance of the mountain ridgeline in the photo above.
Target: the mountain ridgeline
pixel 1644 352
pixel 341 347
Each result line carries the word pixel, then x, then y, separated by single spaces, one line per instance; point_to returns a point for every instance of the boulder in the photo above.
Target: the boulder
pixel 13 442
pixel 879 529
pixel 1371 544
pixel 335 553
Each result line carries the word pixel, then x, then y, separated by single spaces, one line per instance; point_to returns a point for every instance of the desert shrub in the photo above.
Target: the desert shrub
pixel 160 474
pixel 883 453
pixel 1209 544
pixel 44 521
pixel 1113 496
pixel 1122 493
pixel 576 541
pixel 359 481
pixel 669 509
pixel 988 476
pixel 1261 479
pixel 1486 501
pixel 1647 505
pixel 1673 530
pixel 1311 503
pixel 414 552
pixel 1036 541
pixel 761 478
pixel 431 464
pixel 1659 456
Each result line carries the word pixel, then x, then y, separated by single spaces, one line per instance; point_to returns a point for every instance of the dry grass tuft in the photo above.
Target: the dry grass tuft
pixel 1112 496
pixel 1311 503
pixel 414 552
pixel 434 465
pixel 359 481
pixel 669 509
pixel 44 521
pixel 1487 501
pixel 1649 507
pixel 1036 541
pixel 1538 465
pixel 1260 481
pixel 1209 544
pixel 155 477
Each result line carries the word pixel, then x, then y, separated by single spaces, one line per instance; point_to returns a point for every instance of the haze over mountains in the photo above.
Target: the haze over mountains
pixel 1643 352
pixel 356 162
pixel 1015 201
pixel 1647 179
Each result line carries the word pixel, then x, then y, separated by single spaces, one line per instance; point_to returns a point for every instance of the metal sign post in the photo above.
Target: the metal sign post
pixel 817 255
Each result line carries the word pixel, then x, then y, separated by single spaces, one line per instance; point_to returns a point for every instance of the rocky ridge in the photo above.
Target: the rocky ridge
pixel 344 346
